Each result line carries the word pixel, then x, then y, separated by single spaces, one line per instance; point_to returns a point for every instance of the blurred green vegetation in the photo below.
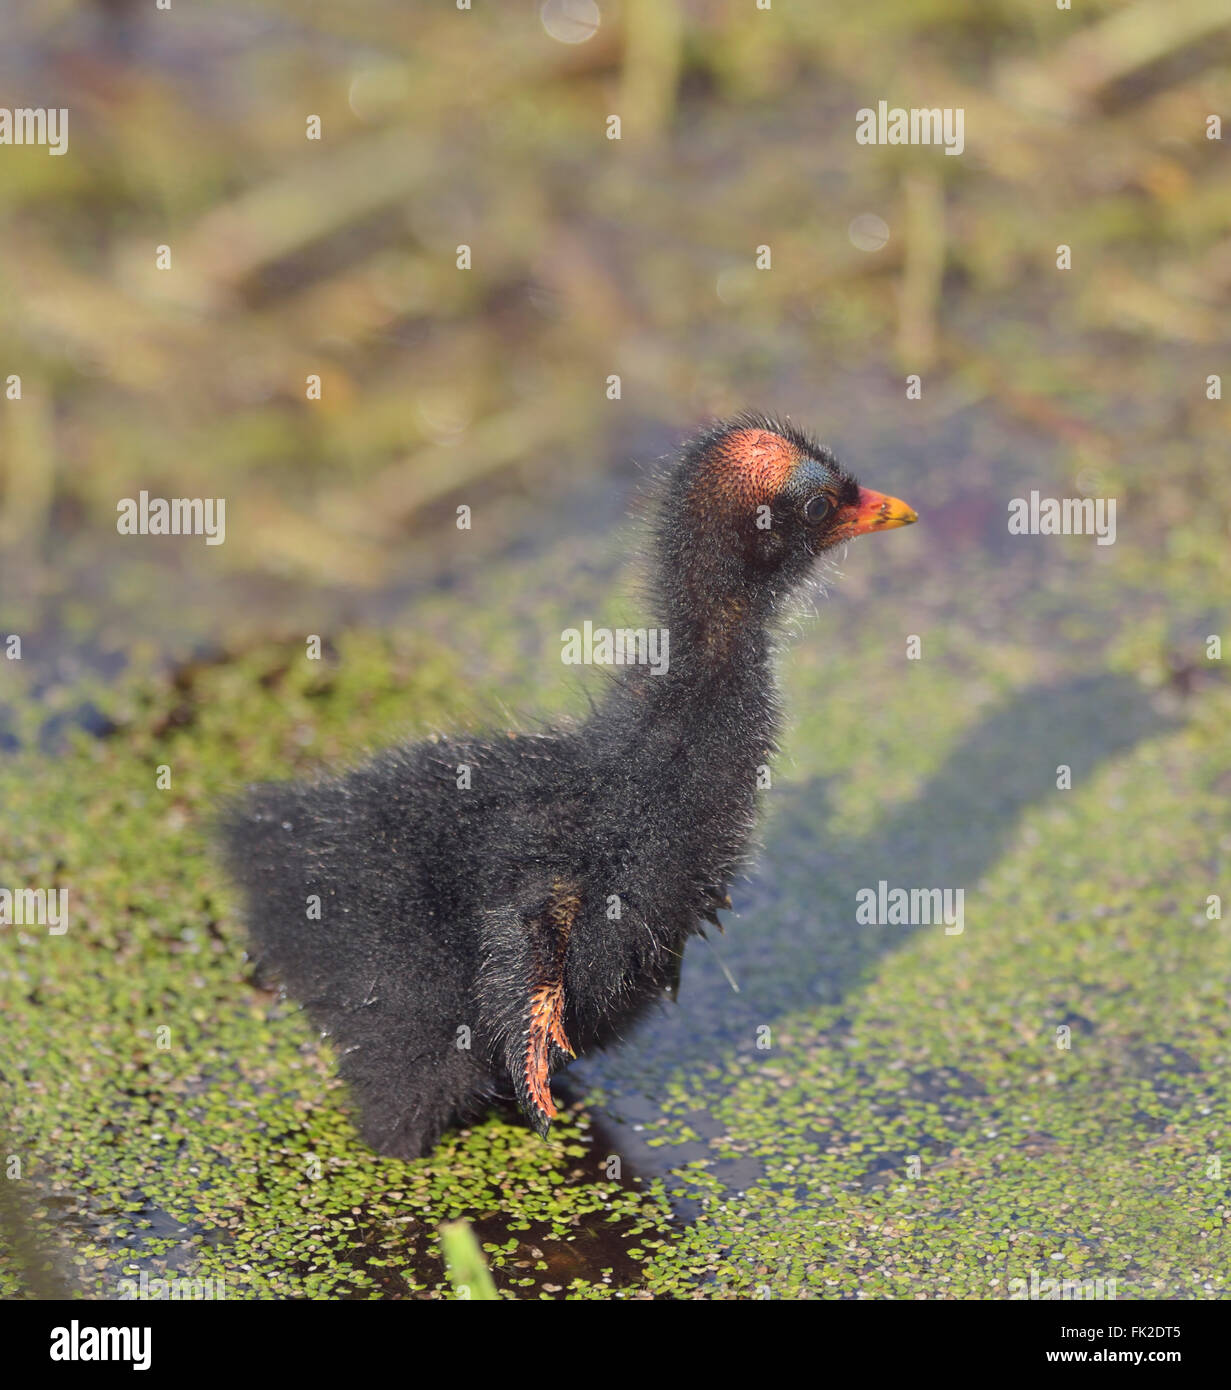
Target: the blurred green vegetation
pixel 590 257
pixel 468 1270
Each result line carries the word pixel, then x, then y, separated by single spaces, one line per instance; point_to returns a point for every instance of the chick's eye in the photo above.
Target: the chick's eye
pixel 816 509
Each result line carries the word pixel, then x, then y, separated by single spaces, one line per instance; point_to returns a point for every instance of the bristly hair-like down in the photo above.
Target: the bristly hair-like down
pixel 717 430
pixel 464 914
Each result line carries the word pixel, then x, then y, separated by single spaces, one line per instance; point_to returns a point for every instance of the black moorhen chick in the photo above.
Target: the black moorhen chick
pixel 490 906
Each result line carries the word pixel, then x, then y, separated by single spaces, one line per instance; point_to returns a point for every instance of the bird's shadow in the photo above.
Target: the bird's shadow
pixel 796 941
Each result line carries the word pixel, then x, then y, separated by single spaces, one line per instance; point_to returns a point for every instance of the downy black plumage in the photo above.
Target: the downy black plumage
pixel 473 938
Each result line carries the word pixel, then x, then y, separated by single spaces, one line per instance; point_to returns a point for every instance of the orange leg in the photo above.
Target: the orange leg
pixel 545 1020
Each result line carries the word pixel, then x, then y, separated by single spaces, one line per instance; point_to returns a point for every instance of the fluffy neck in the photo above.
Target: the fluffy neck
pixel 717 699
pixel 714 710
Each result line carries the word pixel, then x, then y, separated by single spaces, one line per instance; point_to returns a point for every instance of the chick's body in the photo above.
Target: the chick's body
pixel 463 915
pixel 436 896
